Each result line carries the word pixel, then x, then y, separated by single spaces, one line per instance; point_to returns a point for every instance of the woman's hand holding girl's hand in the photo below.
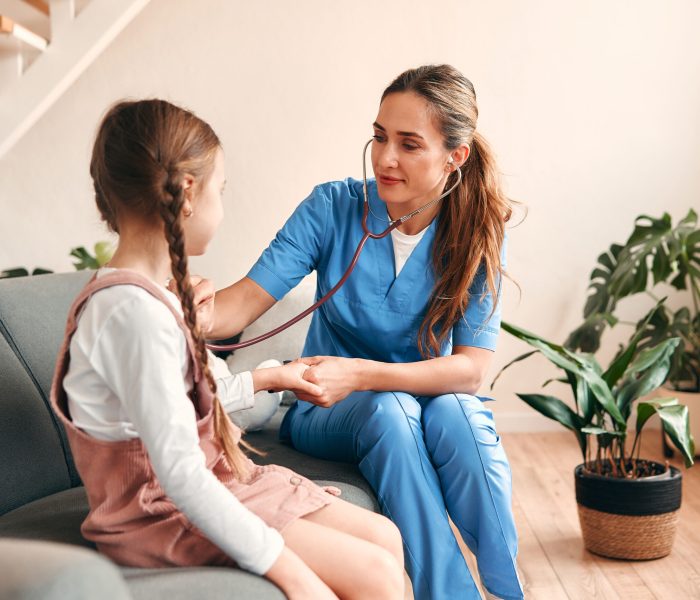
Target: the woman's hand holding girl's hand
pixel 336 376
pixel 296 579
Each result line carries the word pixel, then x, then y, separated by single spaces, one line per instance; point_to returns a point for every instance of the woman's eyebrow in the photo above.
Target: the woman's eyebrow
pixel 402 133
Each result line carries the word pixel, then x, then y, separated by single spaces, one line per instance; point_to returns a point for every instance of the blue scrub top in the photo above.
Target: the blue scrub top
pixel 375 315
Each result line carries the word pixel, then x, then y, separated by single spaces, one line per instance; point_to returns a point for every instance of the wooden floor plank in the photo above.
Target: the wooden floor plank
pixel 539 579
pixel 560 538
pixel 626 582
pixel 552 557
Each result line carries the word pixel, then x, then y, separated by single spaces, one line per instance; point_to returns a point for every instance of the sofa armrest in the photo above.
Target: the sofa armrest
pixel 33 570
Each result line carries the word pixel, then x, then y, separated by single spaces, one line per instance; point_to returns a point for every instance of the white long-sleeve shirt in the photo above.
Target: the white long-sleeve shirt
pixel 129 377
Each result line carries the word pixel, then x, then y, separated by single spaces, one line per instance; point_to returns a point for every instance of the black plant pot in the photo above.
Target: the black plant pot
pixel 628 518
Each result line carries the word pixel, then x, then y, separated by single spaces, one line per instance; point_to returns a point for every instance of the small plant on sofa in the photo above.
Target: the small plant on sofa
pixel 84 260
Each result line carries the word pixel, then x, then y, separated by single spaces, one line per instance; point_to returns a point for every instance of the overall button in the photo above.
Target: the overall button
pixel 295 480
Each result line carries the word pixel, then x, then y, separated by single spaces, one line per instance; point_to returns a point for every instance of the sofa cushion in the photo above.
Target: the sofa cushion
pixel 212 583
pixel 32 322
pixel 46 571
pixel 58 518
pixel 32 459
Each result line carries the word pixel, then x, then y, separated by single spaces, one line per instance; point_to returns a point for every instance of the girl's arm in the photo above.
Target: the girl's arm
pixel 237 390
pixel 464 371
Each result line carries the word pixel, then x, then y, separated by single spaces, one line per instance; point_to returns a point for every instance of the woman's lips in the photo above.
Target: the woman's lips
pixel 389 180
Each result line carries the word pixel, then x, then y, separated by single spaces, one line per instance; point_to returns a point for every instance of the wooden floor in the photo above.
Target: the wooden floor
pixel 552 560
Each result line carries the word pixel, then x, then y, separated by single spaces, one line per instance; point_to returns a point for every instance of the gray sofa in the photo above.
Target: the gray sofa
pixel 42 502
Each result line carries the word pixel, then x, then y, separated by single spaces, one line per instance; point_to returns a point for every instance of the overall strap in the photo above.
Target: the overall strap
pixel 122 277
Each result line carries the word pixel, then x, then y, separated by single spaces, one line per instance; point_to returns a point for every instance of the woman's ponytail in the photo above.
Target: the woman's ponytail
pixel 471 222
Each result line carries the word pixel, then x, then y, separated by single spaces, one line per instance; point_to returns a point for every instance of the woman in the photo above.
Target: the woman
pixel 401 350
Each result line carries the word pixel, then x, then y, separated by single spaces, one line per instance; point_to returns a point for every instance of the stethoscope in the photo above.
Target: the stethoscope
pixel 368 234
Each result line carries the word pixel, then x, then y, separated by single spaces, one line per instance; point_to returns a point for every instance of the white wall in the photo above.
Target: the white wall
pixel 592 108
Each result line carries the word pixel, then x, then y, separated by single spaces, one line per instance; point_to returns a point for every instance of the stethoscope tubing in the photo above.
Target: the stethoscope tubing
pixel 368 234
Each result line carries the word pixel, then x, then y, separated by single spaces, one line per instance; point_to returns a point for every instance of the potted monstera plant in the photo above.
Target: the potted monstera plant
pixel 627 504
pixel 658 257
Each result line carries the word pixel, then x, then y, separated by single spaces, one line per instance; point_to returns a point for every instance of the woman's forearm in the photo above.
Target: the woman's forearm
pixel 454 373
pixel 236 307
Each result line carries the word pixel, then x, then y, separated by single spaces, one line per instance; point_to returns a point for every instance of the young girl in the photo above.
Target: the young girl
pixel 403 347
pixel 167 479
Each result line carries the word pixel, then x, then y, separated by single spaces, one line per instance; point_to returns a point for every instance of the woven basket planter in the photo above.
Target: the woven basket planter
pixel 633 519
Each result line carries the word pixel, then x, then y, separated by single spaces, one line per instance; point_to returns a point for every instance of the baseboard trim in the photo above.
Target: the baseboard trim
pixel 530 422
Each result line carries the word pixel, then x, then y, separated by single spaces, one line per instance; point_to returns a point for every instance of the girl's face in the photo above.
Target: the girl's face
pixel 408 155
pixel 207 210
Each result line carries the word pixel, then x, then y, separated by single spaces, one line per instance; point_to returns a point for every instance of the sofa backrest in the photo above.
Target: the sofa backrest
pixel 36 459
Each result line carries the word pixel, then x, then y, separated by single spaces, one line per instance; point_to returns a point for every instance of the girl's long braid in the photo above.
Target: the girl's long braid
pixel 171 210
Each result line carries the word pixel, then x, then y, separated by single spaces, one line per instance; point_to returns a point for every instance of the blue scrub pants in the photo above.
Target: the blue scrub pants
pixel 426 458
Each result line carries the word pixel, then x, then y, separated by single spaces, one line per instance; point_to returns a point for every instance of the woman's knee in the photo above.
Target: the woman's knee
pixel 459 417
pixel 390 417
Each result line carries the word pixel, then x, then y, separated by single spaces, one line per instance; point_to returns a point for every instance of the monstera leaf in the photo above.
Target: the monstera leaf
pixel 601 301
pixel 85 260
pixel 688 252
pixel 685 362
pixel 655 252
pixel 650 245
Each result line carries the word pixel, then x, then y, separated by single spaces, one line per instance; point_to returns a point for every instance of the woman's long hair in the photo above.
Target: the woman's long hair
pixel 471 221
pixel 141 154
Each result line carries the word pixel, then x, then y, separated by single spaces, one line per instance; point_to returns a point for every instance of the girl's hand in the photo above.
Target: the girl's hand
pixel 336 376
pixel 286 377
pixel 296 579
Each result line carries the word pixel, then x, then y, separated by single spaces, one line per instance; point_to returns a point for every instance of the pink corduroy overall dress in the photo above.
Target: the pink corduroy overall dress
pixel 131 519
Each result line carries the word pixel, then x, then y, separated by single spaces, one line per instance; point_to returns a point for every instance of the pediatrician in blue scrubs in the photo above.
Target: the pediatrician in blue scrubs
pixel 403 347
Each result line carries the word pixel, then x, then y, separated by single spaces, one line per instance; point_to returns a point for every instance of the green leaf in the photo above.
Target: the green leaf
pixel 674 420
pixel 604 437
pixel 649 239
pixel 649 356
pixel 600 300
pixel 646 373
pixel 585 402
pixel 85 260
pixel 103 253
pixel 512 362
pixel 16 272
pixel 553 379
pixel 646 409
pixel 554 408
pixel 583 366
pixel 622 361
pixel 601 431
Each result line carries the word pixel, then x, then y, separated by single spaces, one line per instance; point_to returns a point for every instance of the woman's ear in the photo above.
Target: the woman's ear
pixel 459 156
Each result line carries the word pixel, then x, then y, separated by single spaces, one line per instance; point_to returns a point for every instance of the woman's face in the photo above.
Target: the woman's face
pixel 409 159
pixel 207 210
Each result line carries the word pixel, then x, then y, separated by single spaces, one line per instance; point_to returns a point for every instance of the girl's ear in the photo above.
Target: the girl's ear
pixel 187 189
pixel 188 184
